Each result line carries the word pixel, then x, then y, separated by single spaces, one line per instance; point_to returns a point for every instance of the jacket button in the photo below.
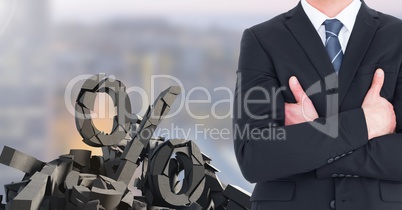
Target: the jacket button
pixel 332 204
pixel 343 155
pixel 341 175
pixel 350 152
pixel 348 176
pixel 334 175
pixel 330 160
pixel 337 158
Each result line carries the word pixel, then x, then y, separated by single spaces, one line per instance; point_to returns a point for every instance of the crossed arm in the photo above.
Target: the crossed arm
pixel 369 133
pixel 379 113
pixel 377 159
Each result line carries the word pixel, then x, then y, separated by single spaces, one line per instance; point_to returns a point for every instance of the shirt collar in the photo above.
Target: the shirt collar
pixel 347 16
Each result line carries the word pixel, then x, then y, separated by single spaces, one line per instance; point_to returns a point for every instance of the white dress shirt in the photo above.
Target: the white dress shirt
pixel 347 18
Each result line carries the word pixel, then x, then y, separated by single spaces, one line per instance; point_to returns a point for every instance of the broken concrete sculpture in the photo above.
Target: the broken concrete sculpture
pixel 80 181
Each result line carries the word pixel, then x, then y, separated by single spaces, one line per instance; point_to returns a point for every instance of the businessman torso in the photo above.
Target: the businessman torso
pixel 342 173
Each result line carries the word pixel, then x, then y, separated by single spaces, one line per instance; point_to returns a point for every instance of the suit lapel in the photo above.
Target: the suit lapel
pixel 363 32
pixel 306 35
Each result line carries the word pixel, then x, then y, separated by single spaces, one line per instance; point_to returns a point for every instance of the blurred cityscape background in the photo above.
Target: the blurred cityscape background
pixel 45 44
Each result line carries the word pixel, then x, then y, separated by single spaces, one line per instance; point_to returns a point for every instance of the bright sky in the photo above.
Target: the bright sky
pixel 99 8
pixel 94 10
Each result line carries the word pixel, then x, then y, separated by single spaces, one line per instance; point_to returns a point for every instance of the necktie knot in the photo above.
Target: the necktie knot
pixel 333 27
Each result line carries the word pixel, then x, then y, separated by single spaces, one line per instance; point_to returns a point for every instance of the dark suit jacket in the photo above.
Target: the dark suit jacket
pixel 309 169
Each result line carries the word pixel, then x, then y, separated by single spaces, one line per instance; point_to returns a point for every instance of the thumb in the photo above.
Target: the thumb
pixel 378 81
pixel 296 89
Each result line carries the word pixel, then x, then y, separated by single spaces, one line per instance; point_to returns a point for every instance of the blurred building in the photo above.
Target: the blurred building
pixel 24 104
pixel 135 49
pixel 24 107
pixel 39 58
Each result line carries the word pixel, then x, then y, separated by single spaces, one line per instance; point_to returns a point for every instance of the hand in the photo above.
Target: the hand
pixel 379 113
pixel 301 111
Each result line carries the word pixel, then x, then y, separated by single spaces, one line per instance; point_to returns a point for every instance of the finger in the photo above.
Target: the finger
pixel 378 81
pixel 288 106
pixel 288 114
pixel 296 89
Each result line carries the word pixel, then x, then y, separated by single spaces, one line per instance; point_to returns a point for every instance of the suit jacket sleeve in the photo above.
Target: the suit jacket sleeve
pixel 303 148
pixel 381 158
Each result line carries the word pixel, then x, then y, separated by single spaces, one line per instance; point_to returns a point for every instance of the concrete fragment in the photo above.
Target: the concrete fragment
pixel 238 195
pixel 21 161
pixel 32 195
pixel 109 199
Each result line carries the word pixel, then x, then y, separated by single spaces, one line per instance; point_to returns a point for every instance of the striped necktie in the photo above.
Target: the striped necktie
pixel 332 44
